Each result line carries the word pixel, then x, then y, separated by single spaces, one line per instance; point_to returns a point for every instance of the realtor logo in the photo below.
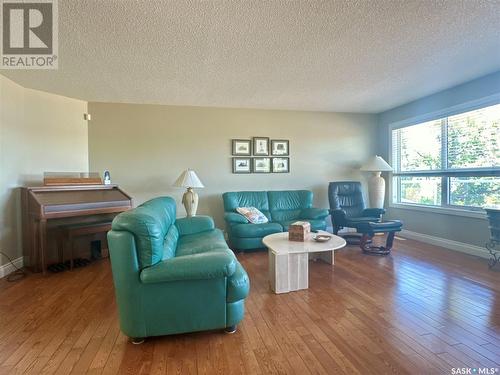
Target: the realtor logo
pixel 29 34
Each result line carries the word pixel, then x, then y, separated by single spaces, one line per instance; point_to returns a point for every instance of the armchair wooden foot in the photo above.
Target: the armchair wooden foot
pixel 230 329
pixel 137 340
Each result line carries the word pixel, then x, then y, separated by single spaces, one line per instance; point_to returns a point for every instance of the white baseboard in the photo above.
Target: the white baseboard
pixel 443 242
pixel 9 268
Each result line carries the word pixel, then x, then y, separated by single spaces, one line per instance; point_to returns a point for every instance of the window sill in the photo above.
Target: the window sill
pixel 479 214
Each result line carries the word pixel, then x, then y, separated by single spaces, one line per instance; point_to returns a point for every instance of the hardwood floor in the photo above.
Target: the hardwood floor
pixel 422 310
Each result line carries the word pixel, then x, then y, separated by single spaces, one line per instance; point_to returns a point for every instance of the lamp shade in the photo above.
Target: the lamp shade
pixel 376 164
pixel 188 179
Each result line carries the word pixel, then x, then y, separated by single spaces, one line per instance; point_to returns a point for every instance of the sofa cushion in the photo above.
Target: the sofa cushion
pixel 315 224
pixel 194 224
pixel 255 230
pixel 234 218
pixel 201 242
pixel 313 213
pixel 170 243
pixel 149 223
pixel 289 199
pixel 238 284
pixel 257 199
pixel 246 243
pixel 282 215
pixel 287 205
pixel 209 265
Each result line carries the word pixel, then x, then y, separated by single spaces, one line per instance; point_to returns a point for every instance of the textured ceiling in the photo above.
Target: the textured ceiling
pixel 338 55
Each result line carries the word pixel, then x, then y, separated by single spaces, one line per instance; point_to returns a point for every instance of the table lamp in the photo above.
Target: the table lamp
pixel 189 180
pixel 376 183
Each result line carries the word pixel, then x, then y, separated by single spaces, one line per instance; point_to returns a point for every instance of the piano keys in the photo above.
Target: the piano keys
pixel 45 207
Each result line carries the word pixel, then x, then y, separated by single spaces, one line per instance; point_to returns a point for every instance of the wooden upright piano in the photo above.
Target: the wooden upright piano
pixel 47 205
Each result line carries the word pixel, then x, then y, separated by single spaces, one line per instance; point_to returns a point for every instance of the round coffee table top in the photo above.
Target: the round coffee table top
pixel 280 244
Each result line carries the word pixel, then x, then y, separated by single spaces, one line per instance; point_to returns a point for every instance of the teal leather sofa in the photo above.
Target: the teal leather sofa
pixel 173 276
pixel 281 208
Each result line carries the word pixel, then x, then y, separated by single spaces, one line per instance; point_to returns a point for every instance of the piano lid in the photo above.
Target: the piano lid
pixel 71 178
pixel 56 200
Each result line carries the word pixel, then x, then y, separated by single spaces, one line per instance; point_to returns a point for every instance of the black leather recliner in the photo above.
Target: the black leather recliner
pixel 347 206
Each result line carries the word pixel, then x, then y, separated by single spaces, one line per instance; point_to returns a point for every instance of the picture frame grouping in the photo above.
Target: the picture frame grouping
pixel 260 155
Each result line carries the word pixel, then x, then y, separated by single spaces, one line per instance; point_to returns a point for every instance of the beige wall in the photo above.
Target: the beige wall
pixel 146 147
pixel 38 132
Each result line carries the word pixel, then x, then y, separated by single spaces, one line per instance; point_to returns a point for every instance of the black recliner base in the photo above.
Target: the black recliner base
pixel 352 238
pixel 370 229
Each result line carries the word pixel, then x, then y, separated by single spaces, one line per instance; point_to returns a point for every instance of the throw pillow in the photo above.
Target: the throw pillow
pixel 253 215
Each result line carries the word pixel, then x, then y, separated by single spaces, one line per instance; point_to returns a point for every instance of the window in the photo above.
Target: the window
pixel 449 162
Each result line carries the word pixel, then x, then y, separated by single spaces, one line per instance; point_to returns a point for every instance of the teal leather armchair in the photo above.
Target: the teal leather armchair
pixel 347 206
pixel 280 207
pixel 173 276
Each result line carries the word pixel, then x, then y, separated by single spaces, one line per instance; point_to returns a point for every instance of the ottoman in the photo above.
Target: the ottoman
pixel 369 229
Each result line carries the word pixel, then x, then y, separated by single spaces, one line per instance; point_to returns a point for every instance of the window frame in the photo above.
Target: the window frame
pixel 445 207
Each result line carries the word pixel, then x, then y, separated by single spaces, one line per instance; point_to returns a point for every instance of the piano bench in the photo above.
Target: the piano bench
pixel 70 231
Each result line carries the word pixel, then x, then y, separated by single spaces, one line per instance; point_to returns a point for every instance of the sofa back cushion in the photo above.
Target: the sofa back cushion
pixel 258 199
pixel 170 243
pixel 287 204
pixel 151 223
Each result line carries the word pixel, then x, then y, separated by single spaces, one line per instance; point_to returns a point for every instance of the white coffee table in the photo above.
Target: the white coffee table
pixel 289 260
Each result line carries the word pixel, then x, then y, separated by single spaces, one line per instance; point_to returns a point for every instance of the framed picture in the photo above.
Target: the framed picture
pixel 260 146
pixel 261 165
pixel 242 165
pixel 241 147
pixel 107 178
pixel 280 147
pixel 281 165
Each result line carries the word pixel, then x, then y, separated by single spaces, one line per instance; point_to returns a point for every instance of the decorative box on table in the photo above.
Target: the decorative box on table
pixel 299 231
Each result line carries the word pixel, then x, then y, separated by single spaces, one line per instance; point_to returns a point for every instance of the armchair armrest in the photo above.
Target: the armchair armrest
pixel 211 265
pixel 338 216
pixel 373 212
pixel 195 224
pixel 235 218
pixel 313 213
